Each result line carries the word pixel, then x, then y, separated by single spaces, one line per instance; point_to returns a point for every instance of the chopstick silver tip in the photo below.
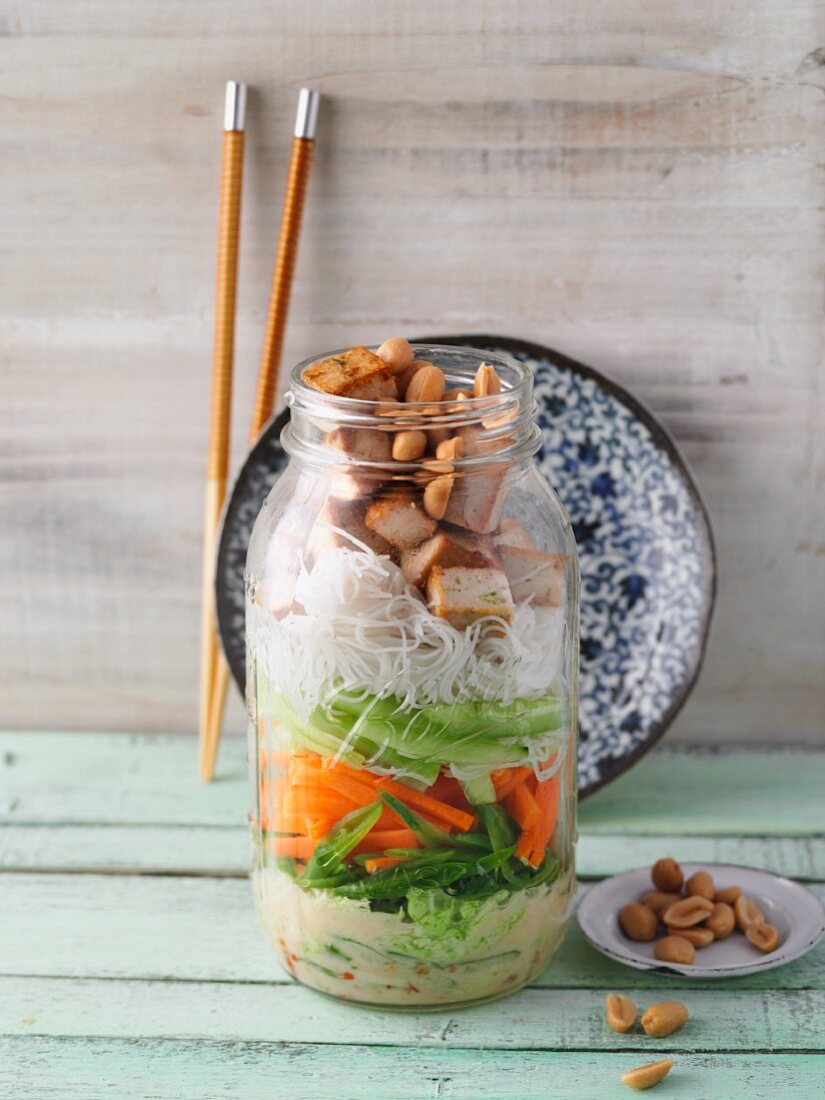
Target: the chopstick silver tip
pixel 234 115
pixel 306 120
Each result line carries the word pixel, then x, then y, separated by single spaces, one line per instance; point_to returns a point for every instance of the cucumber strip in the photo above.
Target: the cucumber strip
pixel 480 790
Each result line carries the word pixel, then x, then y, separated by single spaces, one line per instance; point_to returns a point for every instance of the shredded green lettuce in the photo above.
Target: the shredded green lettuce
pixel 445 929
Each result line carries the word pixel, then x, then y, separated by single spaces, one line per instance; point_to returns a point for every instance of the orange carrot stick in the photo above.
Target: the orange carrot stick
pixel 317 828
pixel 448 814
pixel 523 807
pixel 315 803
pixel 355 790
pixel 449 790
pixel 379 864
pixel 363 785
pixel 507 779
pixel 299 847
pixel 524 845
pixel 532 843
pixel 547 797
pixel 290 823
pixel 381 839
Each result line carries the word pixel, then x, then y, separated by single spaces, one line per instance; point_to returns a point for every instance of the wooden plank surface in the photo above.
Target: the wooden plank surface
pixel 129 804
pixel 535 1019
pixel 55 778
pixel 226 851
pixel 636 184
pixel 166 1069
pixel 206 929
pixel 133 983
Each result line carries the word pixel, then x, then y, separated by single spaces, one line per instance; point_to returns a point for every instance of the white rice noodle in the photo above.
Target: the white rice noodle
pixel 357 625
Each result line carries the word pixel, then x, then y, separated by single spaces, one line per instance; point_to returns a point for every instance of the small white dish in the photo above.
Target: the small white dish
pixel 794 911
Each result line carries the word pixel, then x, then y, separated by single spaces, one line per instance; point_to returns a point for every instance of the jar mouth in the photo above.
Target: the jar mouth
pixel 507 418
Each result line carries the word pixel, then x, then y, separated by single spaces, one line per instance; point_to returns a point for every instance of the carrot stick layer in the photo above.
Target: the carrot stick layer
pixel 299 847
pixel 381 839
pixel 448 814
pixel 522 807
pixel 507 779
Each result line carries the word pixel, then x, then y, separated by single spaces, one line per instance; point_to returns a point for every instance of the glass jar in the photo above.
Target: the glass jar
pixel 412 662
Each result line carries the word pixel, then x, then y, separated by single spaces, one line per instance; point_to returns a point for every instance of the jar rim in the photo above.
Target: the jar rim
pixel 516 379
pixel 508 416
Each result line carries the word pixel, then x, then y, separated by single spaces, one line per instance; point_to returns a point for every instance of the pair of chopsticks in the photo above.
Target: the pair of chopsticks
pixel 214 671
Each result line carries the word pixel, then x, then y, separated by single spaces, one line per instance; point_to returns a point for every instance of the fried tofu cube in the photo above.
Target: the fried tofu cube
pixel 532 573
pixel 462 595
pixel 355 373
pixel 447 550
pixel 362 443
pixel 400 519
pixel 477 500
pixel 348 516
pixel 511 533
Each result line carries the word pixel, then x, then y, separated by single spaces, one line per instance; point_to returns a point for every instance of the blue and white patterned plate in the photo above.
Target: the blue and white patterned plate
pixel 645 547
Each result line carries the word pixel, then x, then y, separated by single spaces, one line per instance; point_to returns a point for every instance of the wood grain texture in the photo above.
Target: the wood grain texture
pixel 161 985
pixel 168 928
pixel 128 779
pixel 171 1069
pixel 226 852
pixel 536 1019
pixel 633 183
pixel 131 805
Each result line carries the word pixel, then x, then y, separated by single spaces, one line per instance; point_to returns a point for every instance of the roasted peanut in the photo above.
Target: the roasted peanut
pixel 667 875
pixel 664 1018
pixel 721 921
pixel 437 495
pixel 409 446
pixel 475 445
pixel 764 936
pixel 457 394
pixel 645 1077
pixel 729 895
pixel 487 382
pixel 687 912
pixel 397 353
pixel 450 448
pixel 388 406
pixel 747 912
pixel 402 380
pixel 700 885
pixel 637 921
pixel 699 937
pixel 500 419
pixel 620 1012
pixel 436 436
pixel 657 900
pixel 432 467
pixel 427 384
pixel 674 949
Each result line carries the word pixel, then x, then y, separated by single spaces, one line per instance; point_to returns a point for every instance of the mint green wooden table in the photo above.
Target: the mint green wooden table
pixel 132 963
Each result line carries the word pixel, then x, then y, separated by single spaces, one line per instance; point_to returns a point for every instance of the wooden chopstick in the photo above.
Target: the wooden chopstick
pixel 303 143
pixel 221 399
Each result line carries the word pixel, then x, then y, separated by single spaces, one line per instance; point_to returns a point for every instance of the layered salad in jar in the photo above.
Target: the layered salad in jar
pixel 412 702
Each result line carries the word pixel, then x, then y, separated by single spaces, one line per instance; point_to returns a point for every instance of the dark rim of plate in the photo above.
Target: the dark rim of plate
pixel 612 766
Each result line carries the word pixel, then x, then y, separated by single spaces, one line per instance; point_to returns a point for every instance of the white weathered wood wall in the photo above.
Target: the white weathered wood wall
pixel 632 181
